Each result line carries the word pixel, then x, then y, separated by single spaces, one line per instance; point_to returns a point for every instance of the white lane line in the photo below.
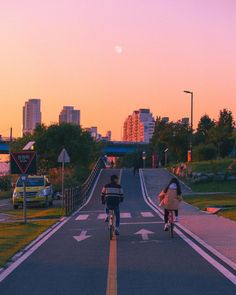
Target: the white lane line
pixel 147 214
pixel 225 272
pixel 229 275
pixel 102 216
pixel 226 260
pixel 82 217
pixel 125 215
pixel 14 265
pixel 19 261
pixel 91 194
pixel 91 211
pixel 137 223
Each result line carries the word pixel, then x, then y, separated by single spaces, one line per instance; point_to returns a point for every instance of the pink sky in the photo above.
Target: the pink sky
pixel 62 51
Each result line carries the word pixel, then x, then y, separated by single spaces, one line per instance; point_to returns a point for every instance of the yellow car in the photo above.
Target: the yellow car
pixel 38 191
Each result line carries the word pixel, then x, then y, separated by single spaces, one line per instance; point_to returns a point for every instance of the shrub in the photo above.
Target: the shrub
pixel 204 152
pixel 5 183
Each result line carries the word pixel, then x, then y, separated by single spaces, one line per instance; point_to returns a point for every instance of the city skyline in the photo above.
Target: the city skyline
pixel 142 55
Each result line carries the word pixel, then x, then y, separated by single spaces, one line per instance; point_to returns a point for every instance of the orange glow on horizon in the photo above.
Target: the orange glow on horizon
pixel 63 52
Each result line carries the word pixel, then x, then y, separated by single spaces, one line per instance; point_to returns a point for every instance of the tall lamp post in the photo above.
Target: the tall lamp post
pixel 166 156
pixel 191 124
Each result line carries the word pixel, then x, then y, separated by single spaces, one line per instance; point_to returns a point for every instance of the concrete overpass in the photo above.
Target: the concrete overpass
pixel 121 148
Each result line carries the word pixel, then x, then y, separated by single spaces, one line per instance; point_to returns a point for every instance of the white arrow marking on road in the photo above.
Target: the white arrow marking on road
pixel 83 236
pixel 144 233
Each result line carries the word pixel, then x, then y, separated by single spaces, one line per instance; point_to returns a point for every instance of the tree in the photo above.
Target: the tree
pixel 83 150
pixel 204 126
pixel 222 133
pixel 226 121
pixel 171 135
pixel 204 152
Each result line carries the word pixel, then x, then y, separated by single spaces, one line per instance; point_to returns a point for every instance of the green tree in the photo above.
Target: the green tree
pixel 222 133
pixel 171 135
pixel 49 141
pixel 204 126
pixel 226 121
pixel 204 152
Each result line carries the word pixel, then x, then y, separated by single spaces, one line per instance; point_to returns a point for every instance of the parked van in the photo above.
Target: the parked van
pixel 38 191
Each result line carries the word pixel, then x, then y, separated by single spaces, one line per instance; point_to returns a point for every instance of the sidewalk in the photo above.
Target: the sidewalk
pixel 217 231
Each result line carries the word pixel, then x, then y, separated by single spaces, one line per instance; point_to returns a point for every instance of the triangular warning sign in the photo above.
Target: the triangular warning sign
pixel 23 160
pixel 63 157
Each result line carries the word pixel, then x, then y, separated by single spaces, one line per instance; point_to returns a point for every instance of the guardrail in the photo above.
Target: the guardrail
pixel 77 196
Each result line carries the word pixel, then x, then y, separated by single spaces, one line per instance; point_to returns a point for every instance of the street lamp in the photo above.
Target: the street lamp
pixel 191 123
pixel 166 156
pixel 144 159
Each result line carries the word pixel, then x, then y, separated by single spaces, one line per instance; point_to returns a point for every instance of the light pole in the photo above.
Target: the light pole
pixel 144 159
pixel 191 124
pixel 166 156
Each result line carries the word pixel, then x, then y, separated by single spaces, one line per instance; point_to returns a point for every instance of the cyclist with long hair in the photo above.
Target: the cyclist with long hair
pixel 170 199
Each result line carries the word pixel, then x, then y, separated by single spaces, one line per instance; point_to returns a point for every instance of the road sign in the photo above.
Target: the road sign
pixel 23 162
pixel 83 236
pixel 63 157
pixel 144 234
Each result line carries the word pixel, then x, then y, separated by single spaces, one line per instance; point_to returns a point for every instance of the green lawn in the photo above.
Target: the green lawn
pixel 213 186
pixel 5 195
pixel 202 202
pixel 213 166
pixel 34 213
pixel 15 236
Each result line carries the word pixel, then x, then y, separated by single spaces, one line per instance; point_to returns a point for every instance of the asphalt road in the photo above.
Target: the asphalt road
pixel 138 262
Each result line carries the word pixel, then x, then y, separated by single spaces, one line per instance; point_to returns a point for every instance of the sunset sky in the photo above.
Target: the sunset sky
pixel 65 52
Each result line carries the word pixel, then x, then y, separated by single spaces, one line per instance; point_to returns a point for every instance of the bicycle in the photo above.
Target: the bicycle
pixel 171 222
pixel 111 223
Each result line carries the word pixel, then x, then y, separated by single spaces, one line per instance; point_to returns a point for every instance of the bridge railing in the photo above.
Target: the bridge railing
pixel 75 197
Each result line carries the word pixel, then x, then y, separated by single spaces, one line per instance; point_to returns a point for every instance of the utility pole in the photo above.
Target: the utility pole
pixel 191 125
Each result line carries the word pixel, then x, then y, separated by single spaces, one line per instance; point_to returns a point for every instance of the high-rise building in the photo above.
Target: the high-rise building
pixel 69 115
pixel 31 115
pixel 165 119
pixel 93 131
pixel 108 135
pixel 185 121
pixel 139 127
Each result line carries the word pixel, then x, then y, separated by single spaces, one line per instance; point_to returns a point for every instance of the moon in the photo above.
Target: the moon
pixel 118 49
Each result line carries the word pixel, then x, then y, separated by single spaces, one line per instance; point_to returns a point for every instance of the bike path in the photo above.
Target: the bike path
pixel 216 231
pixel 160 265
pixel 64 266
pixel 148 264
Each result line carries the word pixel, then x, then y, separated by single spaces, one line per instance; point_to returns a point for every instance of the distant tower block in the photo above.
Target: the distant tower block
pixel 31 115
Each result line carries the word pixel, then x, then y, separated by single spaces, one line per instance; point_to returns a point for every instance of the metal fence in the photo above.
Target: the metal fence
pixel 76 196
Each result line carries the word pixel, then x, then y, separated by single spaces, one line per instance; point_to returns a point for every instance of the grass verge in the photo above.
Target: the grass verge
pixel 5 194
pixel 34 213
pixel 15 236
pixel 226 201
pixel 213 186
pixel 213 166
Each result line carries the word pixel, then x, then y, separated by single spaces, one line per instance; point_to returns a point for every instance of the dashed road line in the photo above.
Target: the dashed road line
pixel 147 214
pixel 125 215
pixel 82 217
pixel 102 216
pixel 139 223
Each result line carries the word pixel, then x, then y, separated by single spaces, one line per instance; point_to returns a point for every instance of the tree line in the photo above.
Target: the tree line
pixel 49 141
pixel 211 139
